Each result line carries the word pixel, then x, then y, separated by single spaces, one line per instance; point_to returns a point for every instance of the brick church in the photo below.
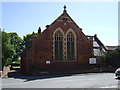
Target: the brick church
pixel 61 48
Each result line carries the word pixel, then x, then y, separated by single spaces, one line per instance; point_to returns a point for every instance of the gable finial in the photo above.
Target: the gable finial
pixel 64 7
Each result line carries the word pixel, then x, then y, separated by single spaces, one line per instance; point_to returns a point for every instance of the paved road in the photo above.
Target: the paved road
pixel 91 80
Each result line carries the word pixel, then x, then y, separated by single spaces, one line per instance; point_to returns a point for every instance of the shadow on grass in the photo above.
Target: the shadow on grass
pixel 17 75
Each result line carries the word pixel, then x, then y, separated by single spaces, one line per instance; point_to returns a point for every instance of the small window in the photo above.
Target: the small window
pixel 65 19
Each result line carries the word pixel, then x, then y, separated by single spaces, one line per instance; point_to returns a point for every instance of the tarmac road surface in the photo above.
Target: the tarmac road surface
pixel 91 80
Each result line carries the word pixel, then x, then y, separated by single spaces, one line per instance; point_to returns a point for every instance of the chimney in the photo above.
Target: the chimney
pixel 81 29
pixel 47 26
pixel 95 35
pixel 39 30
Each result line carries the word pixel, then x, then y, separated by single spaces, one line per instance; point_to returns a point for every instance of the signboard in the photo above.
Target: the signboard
pixel 92 60
pixel 47 62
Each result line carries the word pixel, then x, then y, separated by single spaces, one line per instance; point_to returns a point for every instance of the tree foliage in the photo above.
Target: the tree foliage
pixel 7 49
pixel 27 40
pixel 11 48
pixel 113 58
pixel 17 43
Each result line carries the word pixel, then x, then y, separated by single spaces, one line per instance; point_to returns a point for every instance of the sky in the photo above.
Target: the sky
pixel 99 18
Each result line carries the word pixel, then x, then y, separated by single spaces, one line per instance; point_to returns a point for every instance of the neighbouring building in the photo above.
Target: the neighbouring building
pixel 111 48
pixel 61 47
pixel 99 49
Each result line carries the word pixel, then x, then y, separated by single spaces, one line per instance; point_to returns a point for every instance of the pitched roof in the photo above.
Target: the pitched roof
pixel 65 17
pixel 112 48
pixel 98 41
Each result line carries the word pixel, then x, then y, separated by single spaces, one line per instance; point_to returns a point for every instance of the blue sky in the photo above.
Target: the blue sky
pixel 99 18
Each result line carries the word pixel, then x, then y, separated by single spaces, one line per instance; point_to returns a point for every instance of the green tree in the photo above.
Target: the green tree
pixel 17 42
pixel 118 49
pixel 7 49
pixel 27 40
pixel 11 47
pixel 113 58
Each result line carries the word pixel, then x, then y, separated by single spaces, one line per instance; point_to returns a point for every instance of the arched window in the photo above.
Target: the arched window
pixel 58 45
pixel 70 46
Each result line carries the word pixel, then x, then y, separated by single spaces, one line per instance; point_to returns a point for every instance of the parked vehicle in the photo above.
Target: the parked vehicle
pixel 117 73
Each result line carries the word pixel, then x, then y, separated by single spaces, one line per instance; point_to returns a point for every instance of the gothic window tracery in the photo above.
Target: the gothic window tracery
pixel 70 46
pixel 64 45
pixel 58 45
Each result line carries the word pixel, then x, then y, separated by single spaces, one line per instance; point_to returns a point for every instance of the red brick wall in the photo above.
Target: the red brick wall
pixel 26 59
pixel 42 50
